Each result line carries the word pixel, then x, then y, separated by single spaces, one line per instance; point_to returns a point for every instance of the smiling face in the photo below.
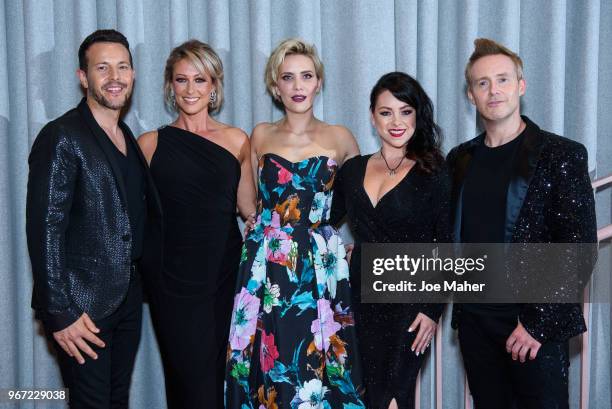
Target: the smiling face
pixel 191 88
pixel 495 88
pixel 109 76
pixel 394 120
pixel 297 83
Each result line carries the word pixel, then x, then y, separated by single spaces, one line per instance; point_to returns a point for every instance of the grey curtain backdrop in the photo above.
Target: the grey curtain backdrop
pixel 565 45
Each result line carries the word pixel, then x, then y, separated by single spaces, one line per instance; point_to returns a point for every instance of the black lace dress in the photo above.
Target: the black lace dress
pixel 416 210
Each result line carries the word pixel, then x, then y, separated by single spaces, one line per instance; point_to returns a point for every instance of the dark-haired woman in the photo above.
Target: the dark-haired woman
pixel 399 194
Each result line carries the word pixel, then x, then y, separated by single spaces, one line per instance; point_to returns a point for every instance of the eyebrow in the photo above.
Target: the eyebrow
pixel 108 63
pixel 501 74
pixel 402 107
pixel 302 72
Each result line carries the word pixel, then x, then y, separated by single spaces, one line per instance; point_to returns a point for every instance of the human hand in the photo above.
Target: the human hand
pixel 72 338
pixel 427 329
pixel 249 224
pixel 520 342
pixel 348 248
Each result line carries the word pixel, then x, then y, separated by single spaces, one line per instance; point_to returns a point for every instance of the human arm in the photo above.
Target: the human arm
pixel 51 180
pixel 440 203
pixel 338 210
pixel 246 187
pixel 256 142
pixel 148 144
pixel 349 149
pixel 51 183
pixel 572 220
pixel 348 146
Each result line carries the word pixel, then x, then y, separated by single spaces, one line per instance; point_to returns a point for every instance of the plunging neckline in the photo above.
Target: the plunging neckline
pixel 127 151
pixel 380 199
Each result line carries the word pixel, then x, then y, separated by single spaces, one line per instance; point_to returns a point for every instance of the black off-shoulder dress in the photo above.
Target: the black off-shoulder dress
pixel 191 301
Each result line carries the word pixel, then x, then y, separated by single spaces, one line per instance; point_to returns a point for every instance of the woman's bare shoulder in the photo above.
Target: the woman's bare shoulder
pixel 148 143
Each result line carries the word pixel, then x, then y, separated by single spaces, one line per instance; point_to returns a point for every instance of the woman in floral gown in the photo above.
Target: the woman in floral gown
pixel 292 340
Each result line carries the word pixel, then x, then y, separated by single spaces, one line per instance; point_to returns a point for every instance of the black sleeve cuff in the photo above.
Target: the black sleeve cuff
pixel 58 321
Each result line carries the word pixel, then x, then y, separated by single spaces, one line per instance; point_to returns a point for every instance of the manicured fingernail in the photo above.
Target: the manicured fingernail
pixel 410 329
pixel 417 354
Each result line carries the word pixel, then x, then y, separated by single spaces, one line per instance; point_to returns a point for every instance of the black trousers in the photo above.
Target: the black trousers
pixel 104 383
pixel 498 382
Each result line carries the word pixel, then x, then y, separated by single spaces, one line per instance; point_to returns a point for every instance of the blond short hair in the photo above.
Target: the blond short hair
pixel 205 60
pixel 484 47
pixel 290 46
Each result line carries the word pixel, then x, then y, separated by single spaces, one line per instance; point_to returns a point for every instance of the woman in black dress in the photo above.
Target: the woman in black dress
pixel 399 194
pixel 202 171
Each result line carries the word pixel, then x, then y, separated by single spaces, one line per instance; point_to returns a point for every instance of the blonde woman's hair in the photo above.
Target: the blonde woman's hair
pixel 290 46
pixel 205 60
pixel 484 47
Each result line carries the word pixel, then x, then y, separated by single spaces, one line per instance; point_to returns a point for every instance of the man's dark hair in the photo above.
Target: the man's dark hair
pixel 102 36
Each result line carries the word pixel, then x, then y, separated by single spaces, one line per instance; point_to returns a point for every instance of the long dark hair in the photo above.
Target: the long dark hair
pixel 424 146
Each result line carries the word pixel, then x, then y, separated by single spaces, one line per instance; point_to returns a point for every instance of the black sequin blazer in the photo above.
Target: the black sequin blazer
pixel 77 225
pixel 549 200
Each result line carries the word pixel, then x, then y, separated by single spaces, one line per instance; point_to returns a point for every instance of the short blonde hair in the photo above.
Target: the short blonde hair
pixel 205 60
pixel 484 47
pixel 290 46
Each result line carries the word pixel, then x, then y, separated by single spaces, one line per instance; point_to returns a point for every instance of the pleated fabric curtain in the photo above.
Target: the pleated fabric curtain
pixel 565 45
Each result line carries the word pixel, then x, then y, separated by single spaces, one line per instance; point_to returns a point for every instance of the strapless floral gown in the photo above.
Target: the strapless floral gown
pixel 292 341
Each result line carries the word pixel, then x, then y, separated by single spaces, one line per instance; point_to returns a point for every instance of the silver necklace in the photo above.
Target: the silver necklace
pixel 391 171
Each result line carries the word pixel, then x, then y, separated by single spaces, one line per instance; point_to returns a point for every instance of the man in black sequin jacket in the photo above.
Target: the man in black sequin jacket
pixel 516 183
pixel 90 205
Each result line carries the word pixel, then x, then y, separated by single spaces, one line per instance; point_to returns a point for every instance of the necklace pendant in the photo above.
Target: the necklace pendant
pixel 391 171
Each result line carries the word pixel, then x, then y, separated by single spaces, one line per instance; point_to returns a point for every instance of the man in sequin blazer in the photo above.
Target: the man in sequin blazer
pixel 90 205
pixel 516 183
